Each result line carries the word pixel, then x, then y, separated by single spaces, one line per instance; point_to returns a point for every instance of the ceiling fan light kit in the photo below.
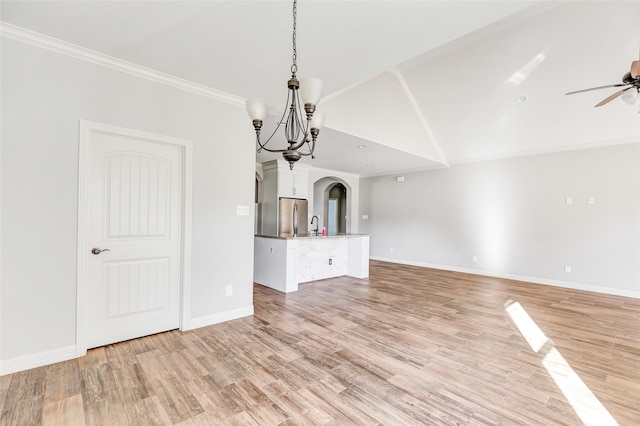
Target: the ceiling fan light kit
pixel 630 87
pixel 630 96
pixel 301 127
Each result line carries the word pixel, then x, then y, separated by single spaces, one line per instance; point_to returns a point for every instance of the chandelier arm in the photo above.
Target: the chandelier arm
pixel 269 149
pixel 303 125
pixel 314 138
pixel 299 144
pixel 291 129
pixel 312 146
pixel 305 138
pixel 311 149
pixel 294 124
pixel 275 130
pixel 264 145
pixel 303 119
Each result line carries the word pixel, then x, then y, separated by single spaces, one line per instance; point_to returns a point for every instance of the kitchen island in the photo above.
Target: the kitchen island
pixel 282 262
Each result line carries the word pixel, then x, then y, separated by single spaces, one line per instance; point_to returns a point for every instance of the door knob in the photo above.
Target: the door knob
pixel 97 251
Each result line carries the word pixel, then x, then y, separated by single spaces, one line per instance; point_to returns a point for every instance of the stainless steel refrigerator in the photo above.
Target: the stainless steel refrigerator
pixel 293 217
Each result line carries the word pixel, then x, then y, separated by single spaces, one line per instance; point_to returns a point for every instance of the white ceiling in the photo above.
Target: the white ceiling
pixel 421 84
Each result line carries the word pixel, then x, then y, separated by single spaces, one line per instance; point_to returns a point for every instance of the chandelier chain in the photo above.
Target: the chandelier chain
pixel 294 66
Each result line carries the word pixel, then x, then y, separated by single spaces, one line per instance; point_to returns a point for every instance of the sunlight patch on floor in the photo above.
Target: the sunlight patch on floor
pixel 527 326
pixel 585 404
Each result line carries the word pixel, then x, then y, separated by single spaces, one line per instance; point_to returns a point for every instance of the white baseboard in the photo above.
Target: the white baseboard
pixel 218 318
pixel 27 362
pixel 535 280
pixel 66 353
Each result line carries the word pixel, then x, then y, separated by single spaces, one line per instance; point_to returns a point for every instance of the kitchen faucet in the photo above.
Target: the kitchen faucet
pixel 317 220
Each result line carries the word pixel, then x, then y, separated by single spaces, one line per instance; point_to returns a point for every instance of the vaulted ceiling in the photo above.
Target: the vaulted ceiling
pixel 415 84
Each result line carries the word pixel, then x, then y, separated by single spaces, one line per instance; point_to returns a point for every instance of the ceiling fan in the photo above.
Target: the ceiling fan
pixel 630 81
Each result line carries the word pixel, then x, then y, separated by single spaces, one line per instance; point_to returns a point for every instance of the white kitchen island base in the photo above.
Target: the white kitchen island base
pixel 283 262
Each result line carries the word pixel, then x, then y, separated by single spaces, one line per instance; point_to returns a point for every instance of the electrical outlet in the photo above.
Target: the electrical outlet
pixel 475 258
pixel 391 250
pixel 567 269
pixel 229 290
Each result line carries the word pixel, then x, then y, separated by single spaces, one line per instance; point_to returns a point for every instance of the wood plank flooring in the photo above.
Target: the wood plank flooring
pixel 409 346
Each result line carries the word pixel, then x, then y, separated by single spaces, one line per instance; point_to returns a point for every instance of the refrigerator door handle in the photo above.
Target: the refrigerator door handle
pixel 295 219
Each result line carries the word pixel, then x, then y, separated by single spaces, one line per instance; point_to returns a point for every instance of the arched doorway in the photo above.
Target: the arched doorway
pixel 336 209
pixel 339 191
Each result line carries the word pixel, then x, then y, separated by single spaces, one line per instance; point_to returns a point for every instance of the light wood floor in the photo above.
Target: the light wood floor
pixel 408 346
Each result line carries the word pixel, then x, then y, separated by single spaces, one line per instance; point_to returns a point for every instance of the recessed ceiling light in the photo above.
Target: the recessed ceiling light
pixel 362 146
pixel 522 99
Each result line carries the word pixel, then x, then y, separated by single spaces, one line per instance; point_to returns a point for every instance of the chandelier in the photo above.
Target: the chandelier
pixel 300 127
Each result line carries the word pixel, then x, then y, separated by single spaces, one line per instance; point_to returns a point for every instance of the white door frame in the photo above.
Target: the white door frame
pixel 86 129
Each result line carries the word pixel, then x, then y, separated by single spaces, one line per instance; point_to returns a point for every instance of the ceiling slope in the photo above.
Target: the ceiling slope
pixel 382 110
pixel 470 93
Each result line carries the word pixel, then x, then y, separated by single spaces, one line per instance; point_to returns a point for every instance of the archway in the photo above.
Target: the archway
pixel 336 209
pixel 332 204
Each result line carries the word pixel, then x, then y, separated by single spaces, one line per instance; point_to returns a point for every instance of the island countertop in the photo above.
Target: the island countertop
pixel 308 236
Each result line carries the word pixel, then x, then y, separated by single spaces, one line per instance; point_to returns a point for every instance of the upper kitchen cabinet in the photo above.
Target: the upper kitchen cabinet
pixel 287 183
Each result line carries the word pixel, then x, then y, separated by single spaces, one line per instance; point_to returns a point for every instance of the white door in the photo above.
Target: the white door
pixel 332 216
pixel 134 229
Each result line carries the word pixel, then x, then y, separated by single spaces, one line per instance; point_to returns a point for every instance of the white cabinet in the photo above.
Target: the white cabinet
pixel 286 182
pixel 322 258
pixel 293 183
pixel 283 263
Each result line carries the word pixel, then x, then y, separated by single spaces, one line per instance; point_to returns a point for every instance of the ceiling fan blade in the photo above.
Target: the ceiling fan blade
pixel 612 97
pixel 596 88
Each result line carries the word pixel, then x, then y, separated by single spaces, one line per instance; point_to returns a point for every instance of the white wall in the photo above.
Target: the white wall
pixel 512 215
pixel 44 95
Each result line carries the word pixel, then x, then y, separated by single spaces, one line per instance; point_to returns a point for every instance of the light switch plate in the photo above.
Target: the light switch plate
pixel 242 210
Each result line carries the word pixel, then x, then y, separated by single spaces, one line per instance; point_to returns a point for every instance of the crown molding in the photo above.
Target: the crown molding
pixel 33 38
